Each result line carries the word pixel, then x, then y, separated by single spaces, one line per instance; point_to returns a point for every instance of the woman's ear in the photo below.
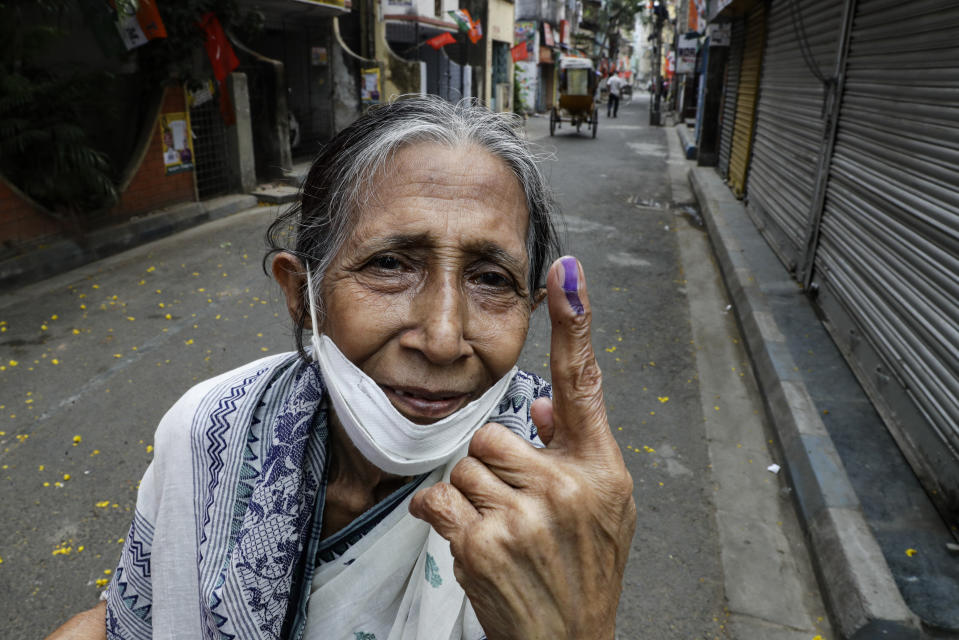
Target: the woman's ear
pixel 538 296
pixel 288 272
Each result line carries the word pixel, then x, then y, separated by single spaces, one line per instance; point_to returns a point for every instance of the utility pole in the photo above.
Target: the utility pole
pixel 655 106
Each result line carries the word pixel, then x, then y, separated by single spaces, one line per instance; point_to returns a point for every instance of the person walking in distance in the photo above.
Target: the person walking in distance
pixel 615 85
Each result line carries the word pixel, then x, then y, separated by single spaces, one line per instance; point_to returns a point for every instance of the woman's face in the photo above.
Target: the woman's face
pixel 429 295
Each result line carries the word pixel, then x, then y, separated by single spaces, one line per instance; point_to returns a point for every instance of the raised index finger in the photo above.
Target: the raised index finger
pixel 579 413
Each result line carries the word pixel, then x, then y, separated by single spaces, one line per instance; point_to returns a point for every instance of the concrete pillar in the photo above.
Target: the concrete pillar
pixel 239 137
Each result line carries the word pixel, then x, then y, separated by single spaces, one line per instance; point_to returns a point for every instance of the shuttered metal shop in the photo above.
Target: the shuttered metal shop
pixel 802 43
pixel 888 255
pixel 730 89
pixel 746 98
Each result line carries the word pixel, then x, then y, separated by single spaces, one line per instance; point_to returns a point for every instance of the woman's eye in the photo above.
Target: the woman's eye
pixel 493 279
pixel 386 263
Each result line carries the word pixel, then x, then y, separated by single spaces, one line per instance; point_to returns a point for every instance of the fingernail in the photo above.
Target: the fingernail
pixel 571 284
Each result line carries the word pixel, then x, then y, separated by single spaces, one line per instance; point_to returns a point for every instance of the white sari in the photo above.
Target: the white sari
pixel 224 538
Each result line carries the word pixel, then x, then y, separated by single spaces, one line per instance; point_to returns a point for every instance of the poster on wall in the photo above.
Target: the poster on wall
pixel 687 47
pixel 177 142
pixel 319 56
pixel 370 89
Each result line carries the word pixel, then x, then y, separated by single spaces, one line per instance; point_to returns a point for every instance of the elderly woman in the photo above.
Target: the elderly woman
pixel 399 478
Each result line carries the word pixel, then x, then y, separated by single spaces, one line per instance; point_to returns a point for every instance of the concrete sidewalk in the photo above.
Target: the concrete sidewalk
pixel 45 260
pixel 861 506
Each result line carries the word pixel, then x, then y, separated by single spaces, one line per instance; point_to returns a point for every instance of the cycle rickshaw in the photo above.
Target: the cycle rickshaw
pixel 577 91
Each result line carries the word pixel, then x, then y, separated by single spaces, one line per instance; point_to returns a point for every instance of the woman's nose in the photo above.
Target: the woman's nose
pixel 439 321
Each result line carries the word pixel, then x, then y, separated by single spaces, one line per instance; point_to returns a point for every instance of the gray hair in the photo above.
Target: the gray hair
pixel 339 181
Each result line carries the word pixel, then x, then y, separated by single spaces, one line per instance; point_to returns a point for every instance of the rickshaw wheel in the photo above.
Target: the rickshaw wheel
pixel 553 117
pixel 595 120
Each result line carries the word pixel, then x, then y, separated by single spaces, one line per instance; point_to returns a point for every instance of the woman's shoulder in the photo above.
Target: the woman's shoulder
pixel 231 385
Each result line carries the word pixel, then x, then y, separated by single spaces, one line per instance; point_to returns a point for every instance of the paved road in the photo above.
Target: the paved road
pixel 91 360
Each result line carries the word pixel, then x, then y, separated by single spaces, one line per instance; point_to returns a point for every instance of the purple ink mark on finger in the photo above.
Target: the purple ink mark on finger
pixel 571 285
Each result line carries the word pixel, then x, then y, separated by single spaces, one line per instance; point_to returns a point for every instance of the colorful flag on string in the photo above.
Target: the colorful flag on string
pixel 443 39
pixel 462 18
pixel 138 24
pixel 519 52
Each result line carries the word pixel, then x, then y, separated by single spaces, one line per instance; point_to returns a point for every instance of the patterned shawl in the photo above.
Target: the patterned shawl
pixel 228 516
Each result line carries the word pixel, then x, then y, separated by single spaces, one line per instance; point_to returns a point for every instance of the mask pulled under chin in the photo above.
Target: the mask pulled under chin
pixel 382 434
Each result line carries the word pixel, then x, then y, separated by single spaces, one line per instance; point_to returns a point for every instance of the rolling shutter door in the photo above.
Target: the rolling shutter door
pixel 790 120
pixel 888 256
pixel 746 98
pixel 730 87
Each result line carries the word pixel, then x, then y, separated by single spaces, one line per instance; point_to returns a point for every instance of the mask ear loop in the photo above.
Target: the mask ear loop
pixel 309 291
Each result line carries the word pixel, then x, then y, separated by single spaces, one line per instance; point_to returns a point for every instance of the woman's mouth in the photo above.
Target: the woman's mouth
pixel 421 405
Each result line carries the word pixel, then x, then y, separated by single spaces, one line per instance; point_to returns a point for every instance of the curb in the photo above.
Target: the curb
pixel 69 253
pixel 858 588
pixel 686 142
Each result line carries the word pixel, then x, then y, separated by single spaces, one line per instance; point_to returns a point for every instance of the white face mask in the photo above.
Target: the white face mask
pixel 381 433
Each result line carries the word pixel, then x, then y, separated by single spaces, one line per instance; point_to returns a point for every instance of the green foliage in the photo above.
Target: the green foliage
pixel 519 107
pixel 619 14
pixel 170 60
pixel 43 148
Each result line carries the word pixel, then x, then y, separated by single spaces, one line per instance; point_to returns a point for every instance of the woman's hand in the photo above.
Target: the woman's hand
pixel 540 537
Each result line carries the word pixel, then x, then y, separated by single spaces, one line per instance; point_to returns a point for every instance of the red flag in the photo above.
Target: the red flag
pixel 519 52
pixel 218 47
pixel 438 42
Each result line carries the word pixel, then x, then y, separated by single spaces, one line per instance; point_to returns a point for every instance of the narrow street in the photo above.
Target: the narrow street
pixel 91 359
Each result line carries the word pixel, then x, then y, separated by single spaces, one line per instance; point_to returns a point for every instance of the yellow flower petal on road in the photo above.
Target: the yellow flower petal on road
pixel 54 317
pixel 151 269
pixel 117 355
pixel 610 349
pixel 13 363
pixel 149 448
pixel 66 476
pixel 663 399
pixel 190 341
pixel 131 318
pixel 648 449
pixel 103 504
pixel 54 361
pixel 77 440
pixel 911 552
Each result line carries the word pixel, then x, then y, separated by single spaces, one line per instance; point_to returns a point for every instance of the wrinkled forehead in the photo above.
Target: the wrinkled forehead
pixel 424 181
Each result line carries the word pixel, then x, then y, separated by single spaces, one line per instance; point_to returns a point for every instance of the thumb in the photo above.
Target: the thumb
pixel 579 412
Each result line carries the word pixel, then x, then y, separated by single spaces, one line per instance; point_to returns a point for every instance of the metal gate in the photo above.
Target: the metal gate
pixel 730 89
pixel 444 77
pixel 887 263
pixel 746 98
pixel 209 147
pixel 801 49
